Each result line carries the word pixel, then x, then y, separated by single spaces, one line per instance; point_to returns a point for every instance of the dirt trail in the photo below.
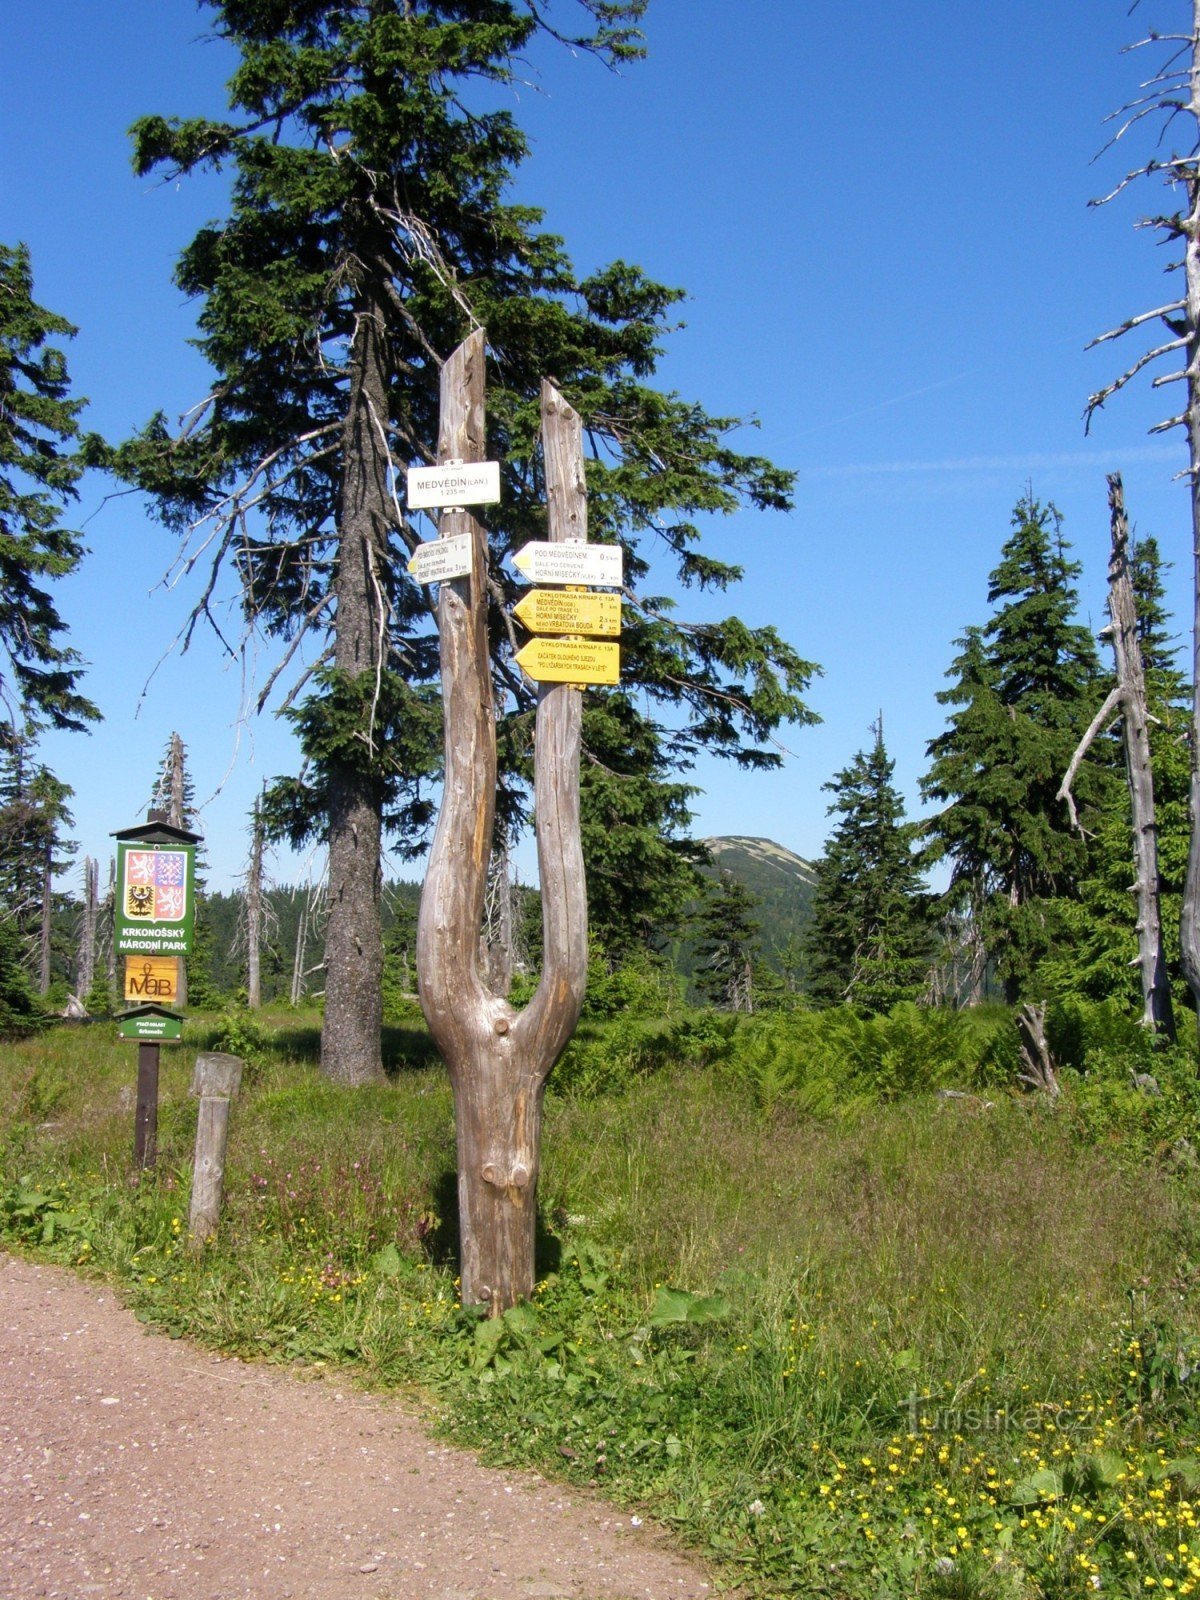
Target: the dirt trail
pixel 135 1467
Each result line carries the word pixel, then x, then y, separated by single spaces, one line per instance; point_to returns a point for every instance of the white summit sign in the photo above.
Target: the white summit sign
pixel 457 483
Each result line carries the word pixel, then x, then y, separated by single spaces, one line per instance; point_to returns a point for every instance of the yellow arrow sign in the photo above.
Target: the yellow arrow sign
pixel 559 611
pixel 571 661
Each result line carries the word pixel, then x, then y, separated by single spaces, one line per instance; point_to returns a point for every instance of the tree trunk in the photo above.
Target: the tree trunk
pixel 350 1036
pixel 85 965
pixel 1157 1014
pixel 1189 929
pixel 254 913
pixel 46 927
pixel 498 1058
pixel 176 798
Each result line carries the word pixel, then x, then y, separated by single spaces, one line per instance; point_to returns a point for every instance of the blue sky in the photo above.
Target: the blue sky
pixel 881 216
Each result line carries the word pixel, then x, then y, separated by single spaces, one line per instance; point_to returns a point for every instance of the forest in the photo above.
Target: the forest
pixel 846 1208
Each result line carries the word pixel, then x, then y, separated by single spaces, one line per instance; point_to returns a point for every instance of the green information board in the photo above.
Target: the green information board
pixel 156 899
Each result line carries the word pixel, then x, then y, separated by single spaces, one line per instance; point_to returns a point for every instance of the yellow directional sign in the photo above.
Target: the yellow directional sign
pixel 571 661
pixel 560 611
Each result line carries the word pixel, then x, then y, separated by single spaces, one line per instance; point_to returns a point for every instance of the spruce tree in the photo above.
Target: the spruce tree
pixel 1024 687
pixel 369 231
pixel 868 943
pixel 729 945
pixel 40 466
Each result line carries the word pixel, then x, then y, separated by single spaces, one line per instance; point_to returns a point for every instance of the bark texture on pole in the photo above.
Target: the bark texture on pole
pixel 499 1058
pixel 1127 700
pixel 351 1032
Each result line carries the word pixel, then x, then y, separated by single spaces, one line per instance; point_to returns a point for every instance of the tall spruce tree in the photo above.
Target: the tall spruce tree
pixel 868 943
pixel 368 233
pixel 729 945
pixel 1024 688
pixel 40 466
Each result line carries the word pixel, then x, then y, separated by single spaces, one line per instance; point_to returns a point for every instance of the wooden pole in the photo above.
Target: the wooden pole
pixel 499 1058
pixel 215 1081
pixel 145 1128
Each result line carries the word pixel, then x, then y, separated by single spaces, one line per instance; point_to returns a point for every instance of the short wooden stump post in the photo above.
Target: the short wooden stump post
pixel 216 1080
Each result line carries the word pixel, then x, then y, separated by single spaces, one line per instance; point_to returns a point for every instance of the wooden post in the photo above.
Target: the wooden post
pixel 499 1058
pixel 216 1080
pixel 145 1127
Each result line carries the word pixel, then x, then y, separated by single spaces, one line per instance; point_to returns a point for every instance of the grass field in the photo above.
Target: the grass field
pixel 847 1337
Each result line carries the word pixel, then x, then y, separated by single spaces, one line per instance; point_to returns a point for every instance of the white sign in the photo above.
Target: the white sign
pixel 600 564
pixel 442 559
pixel 461 483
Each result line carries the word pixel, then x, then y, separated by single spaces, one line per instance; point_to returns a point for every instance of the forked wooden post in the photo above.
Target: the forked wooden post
pixel 499 1058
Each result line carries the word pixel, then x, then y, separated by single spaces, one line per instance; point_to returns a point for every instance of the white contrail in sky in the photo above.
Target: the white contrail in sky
pixel 882 405
pixel 1021 463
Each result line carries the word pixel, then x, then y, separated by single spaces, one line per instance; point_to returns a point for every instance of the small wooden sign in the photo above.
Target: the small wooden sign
pixel 542 562
pixel 571 661
pixel 442 559
pixel 458 483
pixel 561 611
pixel 152 980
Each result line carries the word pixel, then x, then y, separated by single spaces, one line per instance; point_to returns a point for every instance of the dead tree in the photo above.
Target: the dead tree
pixel 1127 701
pixel 255 910
pixel 1037 1065
pixel 499 1058
pixel 1173 94
pixel 311 915
pixel 89 916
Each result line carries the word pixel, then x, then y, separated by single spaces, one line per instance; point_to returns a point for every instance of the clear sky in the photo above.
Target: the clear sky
pixel 881 215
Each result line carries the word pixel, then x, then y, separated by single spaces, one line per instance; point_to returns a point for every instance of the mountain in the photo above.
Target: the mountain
pixel 779 879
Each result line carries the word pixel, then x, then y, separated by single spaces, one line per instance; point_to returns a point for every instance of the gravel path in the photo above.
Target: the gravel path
pixel 135 1467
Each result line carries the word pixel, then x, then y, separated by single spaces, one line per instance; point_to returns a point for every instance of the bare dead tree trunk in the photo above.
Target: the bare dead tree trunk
pixel 85 963
pixel 497 952
pixel 1037 1066
pixel 47 915
pixel 351 1033
pixel 1157 1013
pixel 254 912
pixel 1189 227
pixel 1175 90
pixel 499 1058
pixel 174 792
pixel 110 942
pixel 1128 701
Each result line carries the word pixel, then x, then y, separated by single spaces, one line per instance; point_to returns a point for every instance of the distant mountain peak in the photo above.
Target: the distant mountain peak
pixel 765 852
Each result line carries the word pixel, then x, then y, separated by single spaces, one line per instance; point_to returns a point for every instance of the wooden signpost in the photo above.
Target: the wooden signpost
pixel 499 1058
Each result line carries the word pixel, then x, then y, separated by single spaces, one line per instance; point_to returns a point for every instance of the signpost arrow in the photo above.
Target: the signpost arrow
pixel 561 611
pixel 442 559
pixel 458 483
pixel 571 661
pixel 542 562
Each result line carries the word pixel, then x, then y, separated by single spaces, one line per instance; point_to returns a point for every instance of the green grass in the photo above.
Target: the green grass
pixel 848 1338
